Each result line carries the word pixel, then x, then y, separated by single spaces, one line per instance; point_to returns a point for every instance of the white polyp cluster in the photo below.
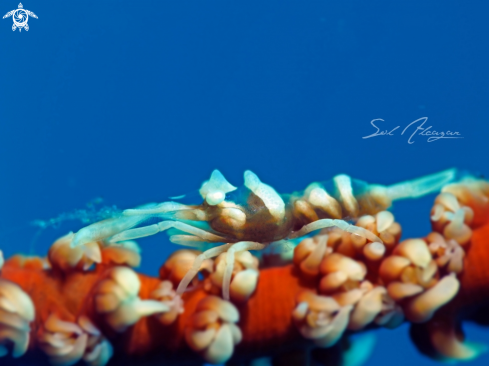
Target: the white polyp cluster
pixel 180 262
pixel 214 190
pixel 342 279
pixel 66 342
pixel 117 299
pixel 212 330
pixel 340 273
pixel 451 222
pixel 409 270
pixel 382 225
pixel 167 296
pixel 405 276
pixel 16 312
pixel 99 350
pixel 272 200
pixel 374 306
pixel 452 219
pixel 244 277
pixel 310 252
pixel 308 256
pixel 66 258
pixel 63 256
pixel 412 276
pixel 448 254
pixel 320 318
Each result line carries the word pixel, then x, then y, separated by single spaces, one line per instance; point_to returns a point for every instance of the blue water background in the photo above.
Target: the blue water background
pixel 133 102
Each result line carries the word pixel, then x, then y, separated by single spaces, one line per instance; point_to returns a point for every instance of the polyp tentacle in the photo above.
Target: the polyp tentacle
pixel 116 298
pixel 16 313
pixel 212 330
pixel 167 295
pixel 320 318
pixel 244 277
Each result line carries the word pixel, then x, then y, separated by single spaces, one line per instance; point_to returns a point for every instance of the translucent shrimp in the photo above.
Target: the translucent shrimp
pixel 254 215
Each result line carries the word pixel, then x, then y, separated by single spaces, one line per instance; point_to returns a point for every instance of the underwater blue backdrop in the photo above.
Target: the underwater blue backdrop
pixel 132 102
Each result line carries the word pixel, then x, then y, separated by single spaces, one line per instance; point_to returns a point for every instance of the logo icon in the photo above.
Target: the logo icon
pixel 20 17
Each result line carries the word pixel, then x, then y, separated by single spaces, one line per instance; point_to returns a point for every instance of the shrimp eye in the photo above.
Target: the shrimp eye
pixel 214 190
pixel 215 198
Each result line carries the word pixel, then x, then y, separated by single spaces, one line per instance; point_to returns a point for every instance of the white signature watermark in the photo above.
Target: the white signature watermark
pixel 418 129
pixel 20 17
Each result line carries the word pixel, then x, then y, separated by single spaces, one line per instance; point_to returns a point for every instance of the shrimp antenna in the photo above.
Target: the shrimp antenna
pixel 421 186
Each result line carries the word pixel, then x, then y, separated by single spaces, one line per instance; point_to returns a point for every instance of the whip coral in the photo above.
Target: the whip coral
pixel 86 302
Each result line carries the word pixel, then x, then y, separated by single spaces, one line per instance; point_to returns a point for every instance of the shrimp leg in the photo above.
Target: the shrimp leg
pixel 211 253
pixel 237 247
pixel 341 224
pixel 141 232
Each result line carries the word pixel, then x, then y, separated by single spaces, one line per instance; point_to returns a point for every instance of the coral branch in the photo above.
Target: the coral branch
pixel 338 283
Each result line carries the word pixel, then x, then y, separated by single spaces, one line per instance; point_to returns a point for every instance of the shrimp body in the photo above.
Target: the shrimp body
pixel 244 215
pixel 254 215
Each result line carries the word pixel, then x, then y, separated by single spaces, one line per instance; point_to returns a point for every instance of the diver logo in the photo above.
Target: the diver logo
pixel 20 17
